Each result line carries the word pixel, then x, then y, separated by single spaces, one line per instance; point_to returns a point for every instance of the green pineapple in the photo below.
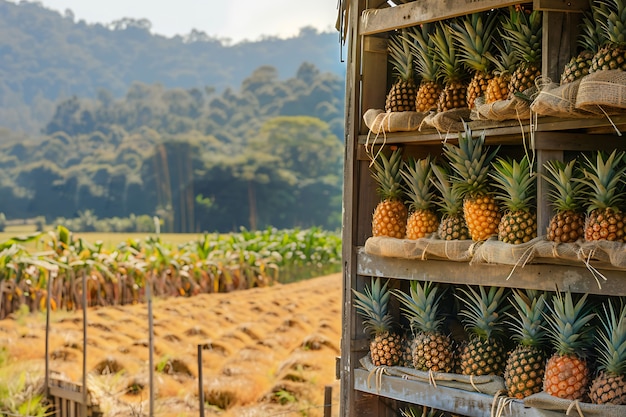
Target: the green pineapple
pixel 474 36
pixel 525 366
pixel 423 50
pixel 454 94
pixel 401 96
pixel 390 215
pixel 452 225
pixel 603 179
pixel 372 305
pixel 609 386
pixel 484 352
pixel 589 41
pixel 567 372
pixel 611 15
pixel 423 220
pixel 524 32
pixel 517 185
pixel 565 196
pixel 432 349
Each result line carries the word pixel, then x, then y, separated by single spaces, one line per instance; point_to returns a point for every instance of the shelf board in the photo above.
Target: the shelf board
pixel 546 277
pixel 471 404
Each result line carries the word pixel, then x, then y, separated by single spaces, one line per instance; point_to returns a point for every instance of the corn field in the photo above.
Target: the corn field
pixel 59 264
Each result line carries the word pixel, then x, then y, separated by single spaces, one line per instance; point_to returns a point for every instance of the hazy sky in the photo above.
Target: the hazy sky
pixel 237 20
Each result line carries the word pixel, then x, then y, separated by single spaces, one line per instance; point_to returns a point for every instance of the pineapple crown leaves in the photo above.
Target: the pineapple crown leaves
pixel 471 162
pixel 372 304
pixel 612 17
pixel 474 39
pixel 400 55
pixel 568 324
pixel 386 173
pixel 566 191
pixel 446 55
pixel 505 60
pixel 483 313
pixel 612 350
pixel 418 188
pixel 524 32
pixel 528 323
pixel 450 200
pixel 421 306
pixel 591 32
pixel 423 50
pixel 516 183
pixel 603 179
pixel 423 411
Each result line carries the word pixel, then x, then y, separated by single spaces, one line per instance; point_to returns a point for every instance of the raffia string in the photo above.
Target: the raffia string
pixel 575 404
pixel 369 152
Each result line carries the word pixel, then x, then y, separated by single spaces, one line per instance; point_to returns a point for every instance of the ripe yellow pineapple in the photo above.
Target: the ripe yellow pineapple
pixel 484 352
pixel 565 196
pixel 423 50
pixel 422 220
pixel 523 30
pixel 372 304
pixel 454 94
pixel 612 17
pixel 609 386
pixel 452 225
pixel 605 195
pixel 504 62
pixel 525 366
pixel 470 161
pixel 401 96
pixel 474 36
pixel 517 188
pixel 432 349
pixel 567 373
pixel 390 215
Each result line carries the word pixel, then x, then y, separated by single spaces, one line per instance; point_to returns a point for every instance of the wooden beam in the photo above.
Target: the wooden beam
pixel 561 5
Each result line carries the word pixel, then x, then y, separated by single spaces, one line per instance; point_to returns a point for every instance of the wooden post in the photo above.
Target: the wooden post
pixel 85 397
pixel 328 400
pixel 150 343
pixel 200 382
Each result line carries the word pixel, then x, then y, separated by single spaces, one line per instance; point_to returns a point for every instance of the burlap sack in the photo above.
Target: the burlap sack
pixel 484 384
pixel 492 251
pixel 379 121
pixel 603 252
pixel 602 92
pixel 450 120
pixel 560 101
pixel 424 248
pixel 546 401
pixel 515 108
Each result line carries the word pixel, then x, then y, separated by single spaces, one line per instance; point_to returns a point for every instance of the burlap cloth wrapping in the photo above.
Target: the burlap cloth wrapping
pixel 424 248
pixel 546 401
pixel 512 109
pixel 602 92
pixel 379 121
pixel 560 101
pixel 492 251
pixel 484 384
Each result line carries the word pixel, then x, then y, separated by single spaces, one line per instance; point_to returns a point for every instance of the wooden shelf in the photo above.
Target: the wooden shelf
pixel 544 277
pixel 471 404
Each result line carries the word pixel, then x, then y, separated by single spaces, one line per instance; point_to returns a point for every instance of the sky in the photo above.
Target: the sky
pixel 223 19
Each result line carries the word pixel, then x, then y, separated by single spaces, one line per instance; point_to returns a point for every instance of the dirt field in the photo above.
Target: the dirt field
pixel 266 351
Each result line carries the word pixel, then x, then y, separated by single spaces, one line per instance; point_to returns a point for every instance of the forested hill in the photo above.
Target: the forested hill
pixel 46 57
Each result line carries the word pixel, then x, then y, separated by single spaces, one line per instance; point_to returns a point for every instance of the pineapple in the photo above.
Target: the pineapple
pixel 605 220
pixel 431 347
pixel 474 36
pixel 470 161
pixel 523 30
pixel 566 225
pixel 421 411
pixel 401 96
pixel 612 17
pixel 390 215
pixel 484 352
pixel 517 187
pixel 452 225
pixel 372 304
pixel 567 373
pixel 423 50
pixel 590 40
pixel 454 94
pixel 610 384
pixel 504 63
pixel 525 366
pixel 423 220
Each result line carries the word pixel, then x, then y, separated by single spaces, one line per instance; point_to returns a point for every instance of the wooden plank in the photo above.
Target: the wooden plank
pixel 546 277
pixel 373 76
pixel 559 42
pixel 414 13
pixel 544 211
pixel 471 404
pixel 58 392
pixel 575 6
pixel 577 142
